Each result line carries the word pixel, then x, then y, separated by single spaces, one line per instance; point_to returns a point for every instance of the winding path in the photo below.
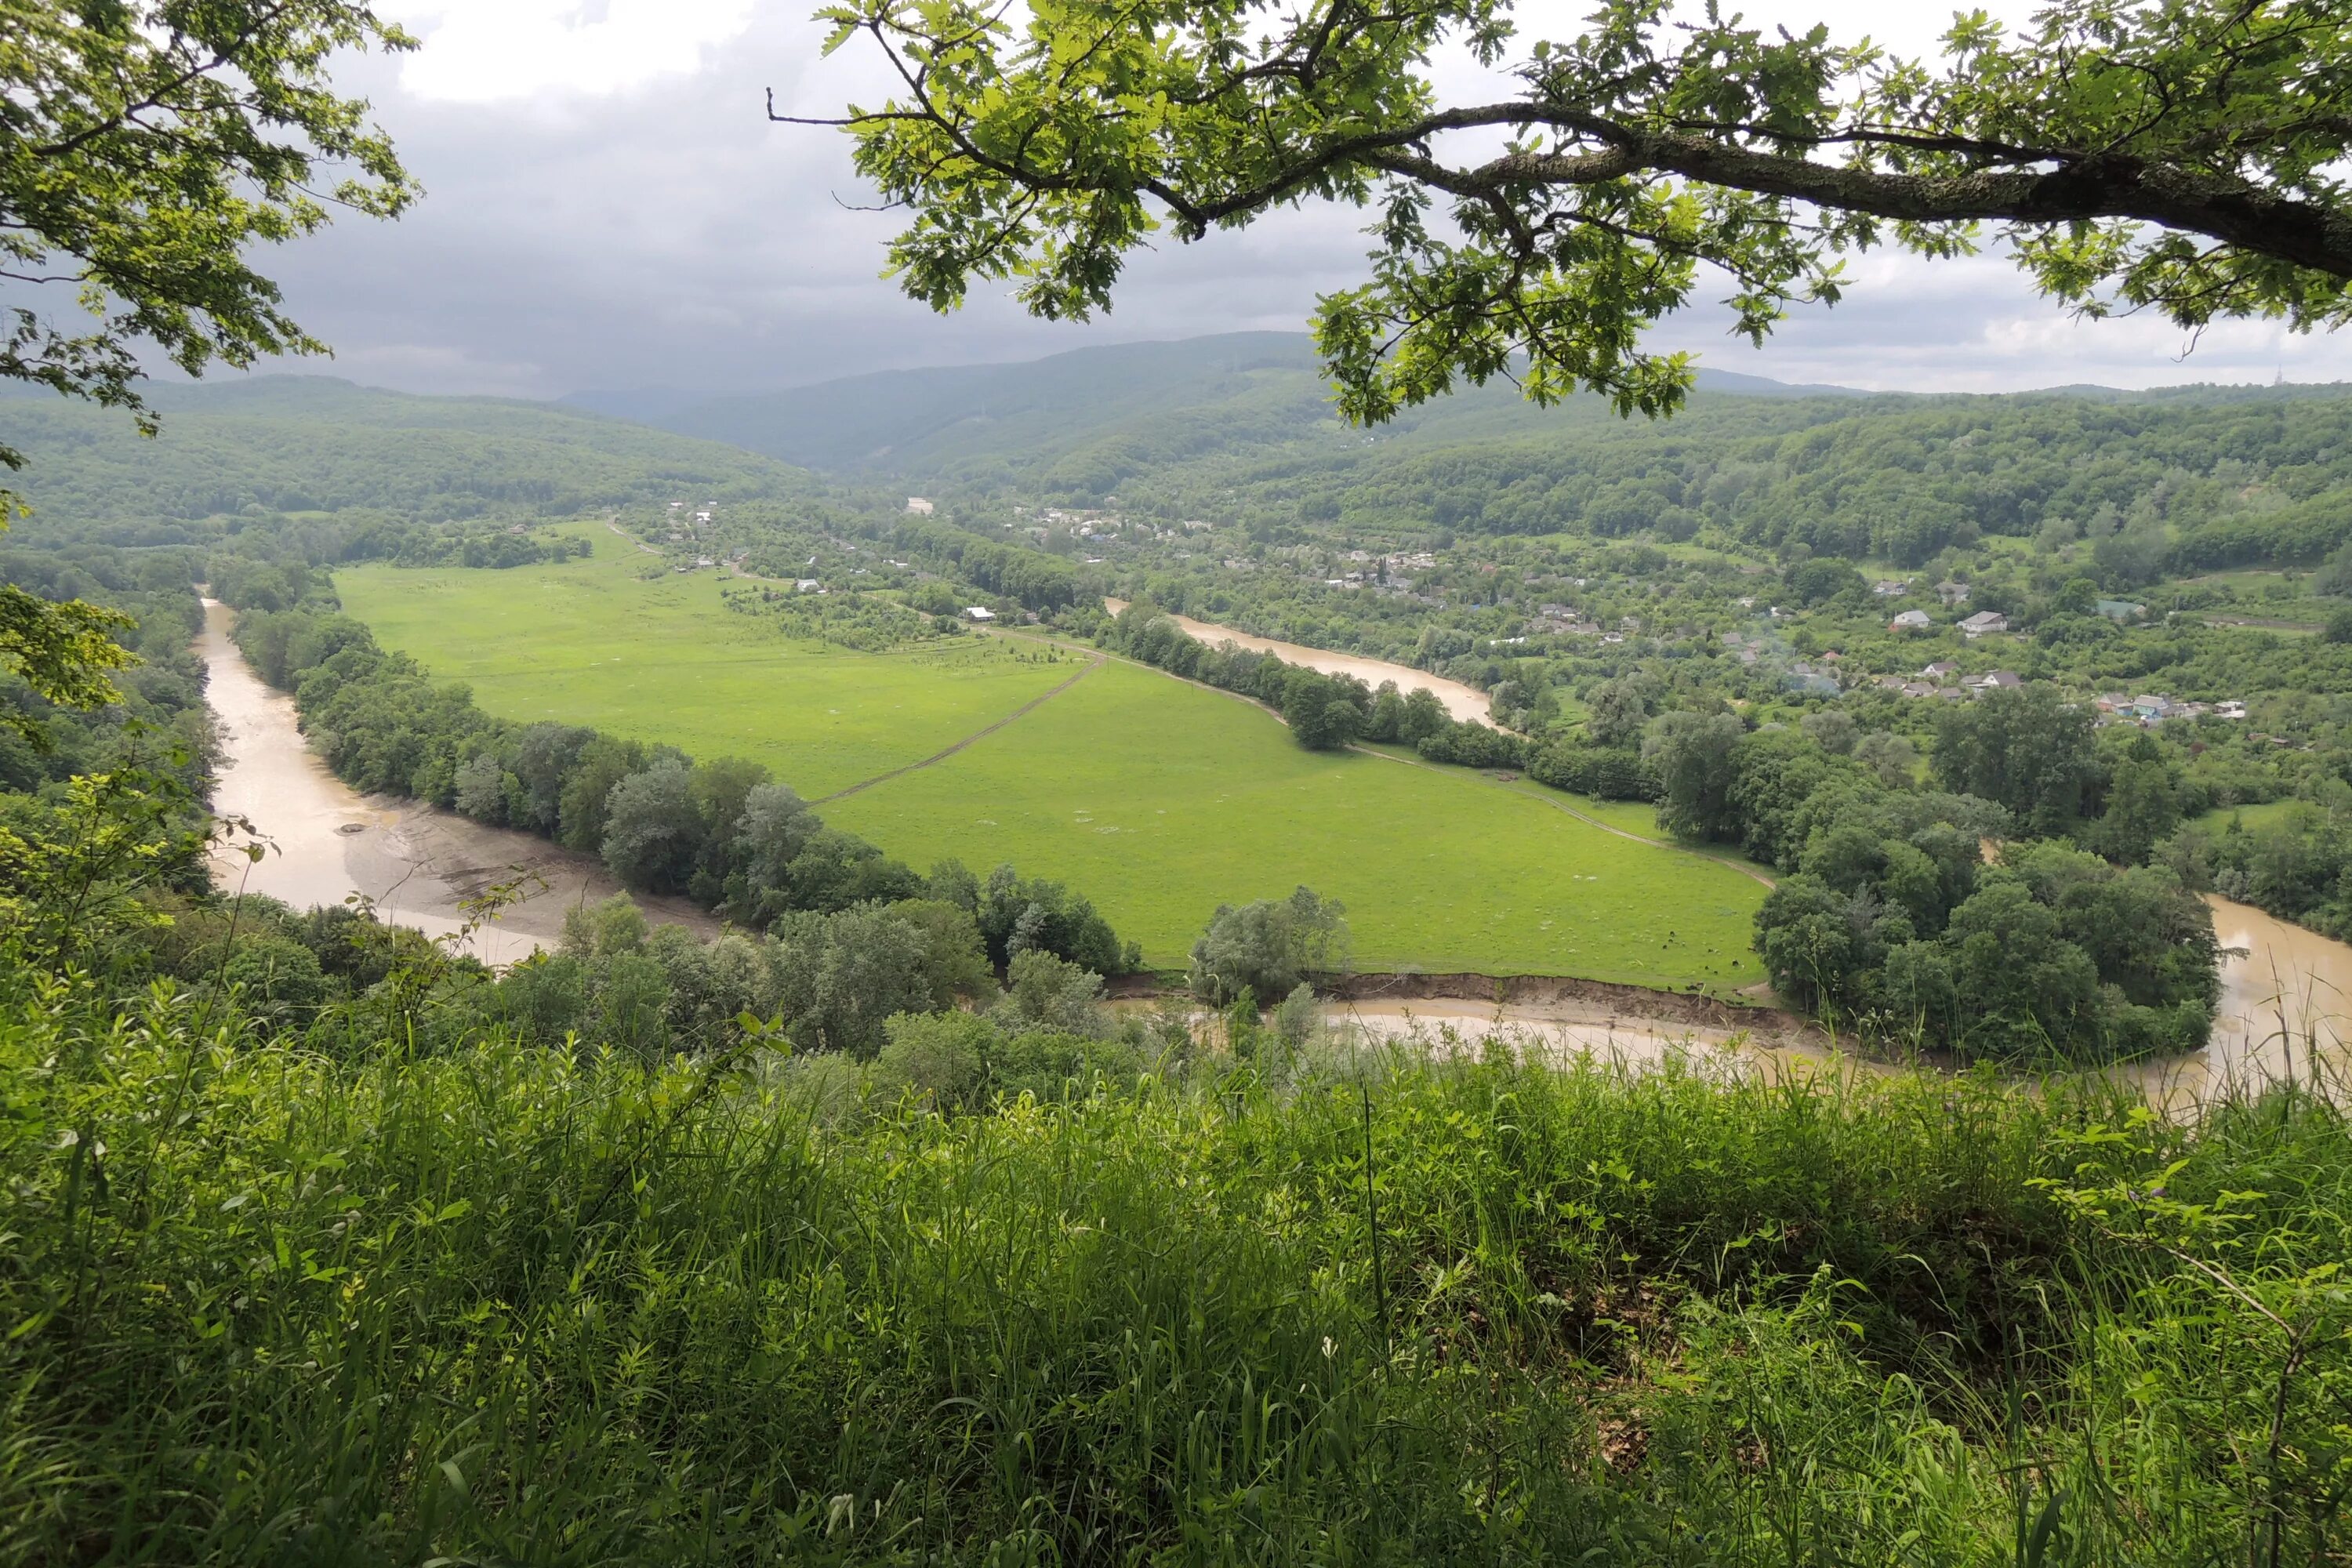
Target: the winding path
pixel 938 757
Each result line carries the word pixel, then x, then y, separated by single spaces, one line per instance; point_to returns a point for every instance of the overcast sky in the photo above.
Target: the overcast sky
pixel 608 207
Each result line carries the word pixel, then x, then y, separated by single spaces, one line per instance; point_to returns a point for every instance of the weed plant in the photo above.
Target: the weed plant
pixel 504 1304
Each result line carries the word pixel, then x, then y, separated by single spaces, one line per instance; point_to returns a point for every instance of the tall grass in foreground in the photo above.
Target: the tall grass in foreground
pixel 508 1306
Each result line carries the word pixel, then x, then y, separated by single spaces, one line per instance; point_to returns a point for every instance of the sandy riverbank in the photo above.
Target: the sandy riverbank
pixel 1466 703
pixel 327 842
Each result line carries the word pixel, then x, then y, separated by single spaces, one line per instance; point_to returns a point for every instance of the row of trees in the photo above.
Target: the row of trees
pixel 1892 916
pixel 1324 711
pixel 2298 865
pixel 906 988
pixel 721 832
pixel 1030 577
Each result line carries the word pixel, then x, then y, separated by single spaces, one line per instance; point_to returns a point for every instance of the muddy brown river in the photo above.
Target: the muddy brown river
pixel 2286 1002
pixel 2285 1015
pixel 1466 704
pixel 324 842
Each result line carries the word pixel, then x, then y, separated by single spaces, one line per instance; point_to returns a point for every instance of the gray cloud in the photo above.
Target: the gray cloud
pixel 664 234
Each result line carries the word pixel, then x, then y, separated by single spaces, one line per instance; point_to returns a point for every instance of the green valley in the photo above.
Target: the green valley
pixel 1161 799
pixel 659 659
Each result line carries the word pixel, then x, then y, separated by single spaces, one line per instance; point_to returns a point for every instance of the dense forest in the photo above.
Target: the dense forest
pixel 2212 481
pixel 1237 429
pixel 298 446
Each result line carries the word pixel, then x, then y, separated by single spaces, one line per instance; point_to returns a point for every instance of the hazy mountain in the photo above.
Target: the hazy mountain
pixel 1231 392
pixel 314 444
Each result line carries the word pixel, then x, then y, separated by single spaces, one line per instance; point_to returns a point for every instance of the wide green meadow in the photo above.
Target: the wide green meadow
pixel 597 642
pixel 1158 799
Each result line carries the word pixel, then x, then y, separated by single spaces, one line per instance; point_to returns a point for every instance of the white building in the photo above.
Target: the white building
pixel 919 506
pixel 1984 622
pixel 1910 621
pixel 978 613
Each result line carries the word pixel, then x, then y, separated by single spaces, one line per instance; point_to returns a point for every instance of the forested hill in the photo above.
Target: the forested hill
pixel 2193 479
pixel 1238 429
pixel 1080 418
pixel 282 445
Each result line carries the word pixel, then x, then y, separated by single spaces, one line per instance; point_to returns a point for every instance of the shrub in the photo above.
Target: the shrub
pixel 1269 947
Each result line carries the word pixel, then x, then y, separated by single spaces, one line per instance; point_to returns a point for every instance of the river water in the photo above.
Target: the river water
pixel 1466 704
pixel 2285 1015
pixel 324 841
pixel 2285 1011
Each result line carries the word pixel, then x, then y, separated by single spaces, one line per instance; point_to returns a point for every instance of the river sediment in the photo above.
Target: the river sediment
pixel 1465 703
pixel 2286 992
pixel 325 843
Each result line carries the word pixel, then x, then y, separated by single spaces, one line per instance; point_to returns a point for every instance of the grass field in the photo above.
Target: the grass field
pixel 1158 799
pixel 1162 801
pixel 591 642
pixel 2269 814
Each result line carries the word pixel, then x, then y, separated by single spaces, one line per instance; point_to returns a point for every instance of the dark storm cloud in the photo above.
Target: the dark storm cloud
pixel 663 233
pixel 670 235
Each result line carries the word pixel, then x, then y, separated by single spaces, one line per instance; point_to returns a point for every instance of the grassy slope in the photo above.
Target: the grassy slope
pixel 361 1307
pixel 1158 799
pixel 591 643
pixel 2268 813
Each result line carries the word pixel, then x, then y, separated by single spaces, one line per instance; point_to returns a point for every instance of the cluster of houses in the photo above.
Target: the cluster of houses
pixel 1951 594
pixel 681 525
pixel 1388 573
pixel 1981 624
pixel 1088 524
pixel 2151 710
pixel 1985 622
pixel 1561 621
pixel 1943 678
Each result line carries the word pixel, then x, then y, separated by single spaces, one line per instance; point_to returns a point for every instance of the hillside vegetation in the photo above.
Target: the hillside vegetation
pixel 1239 429
pixel 276 444
pixel 1114 411
pixel 343 1302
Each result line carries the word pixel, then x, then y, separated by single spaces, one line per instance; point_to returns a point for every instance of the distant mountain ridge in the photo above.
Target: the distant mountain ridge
pixel 317 444
pixel 1259 387
pixel 1084 421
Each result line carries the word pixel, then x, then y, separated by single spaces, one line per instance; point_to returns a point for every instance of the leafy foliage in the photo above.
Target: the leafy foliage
pixel 1268 949
pixel 1676 1319
pixel 145 147
pixel 2161 154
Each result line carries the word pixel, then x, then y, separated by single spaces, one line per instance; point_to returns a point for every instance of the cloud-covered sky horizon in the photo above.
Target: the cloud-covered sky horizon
pixel 608 208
